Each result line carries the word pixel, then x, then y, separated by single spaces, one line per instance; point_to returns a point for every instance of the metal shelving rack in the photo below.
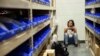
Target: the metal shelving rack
pixel 8 45
pixel 91 35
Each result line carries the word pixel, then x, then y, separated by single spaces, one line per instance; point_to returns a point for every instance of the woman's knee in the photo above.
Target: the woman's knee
pixel 75 35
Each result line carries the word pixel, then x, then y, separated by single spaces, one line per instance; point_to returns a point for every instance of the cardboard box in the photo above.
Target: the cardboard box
pixel 49 52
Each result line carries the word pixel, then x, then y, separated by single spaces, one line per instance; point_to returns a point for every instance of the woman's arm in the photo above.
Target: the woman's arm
pixel 74 29
pixel 65 30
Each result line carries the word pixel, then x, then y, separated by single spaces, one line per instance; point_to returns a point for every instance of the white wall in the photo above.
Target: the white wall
pixel 71 9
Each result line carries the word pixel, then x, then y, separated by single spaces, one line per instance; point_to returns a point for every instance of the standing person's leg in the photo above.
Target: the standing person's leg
pixel 66 38
pixel 76 39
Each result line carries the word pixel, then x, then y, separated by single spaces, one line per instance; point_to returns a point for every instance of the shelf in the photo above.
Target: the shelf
pixel 89 6
pixel 90 18
pixel 19 4
pixel 94 19
pixel 40 26
pixel 41 7
pixel 41 47
pixel 89 29
pixel 92 52
pixel 10 44
pixel 96 5
pixel 23 4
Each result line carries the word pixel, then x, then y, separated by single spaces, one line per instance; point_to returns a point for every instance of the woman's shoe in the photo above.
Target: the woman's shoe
pixel 76 45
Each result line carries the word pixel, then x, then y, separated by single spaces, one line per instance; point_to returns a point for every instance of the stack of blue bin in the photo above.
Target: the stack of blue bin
pixel 89 24
pixel 89 2
pixel 23 50
pixel 13 27
pixel 40 19
pixel 40 37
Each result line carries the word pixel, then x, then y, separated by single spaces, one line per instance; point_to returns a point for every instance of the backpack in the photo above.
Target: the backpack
pixel 60 49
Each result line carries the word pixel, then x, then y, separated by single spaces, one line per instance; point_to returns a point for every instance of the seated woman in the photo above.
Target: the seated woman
pixel 70 33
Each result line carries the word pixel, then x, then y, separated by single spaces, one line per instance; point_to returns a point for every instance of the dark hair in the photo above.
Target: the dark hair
pixel 72 23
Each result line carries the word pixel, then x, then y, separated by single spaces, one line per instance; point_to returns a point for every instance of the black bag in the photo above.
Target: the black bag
pixel 60 49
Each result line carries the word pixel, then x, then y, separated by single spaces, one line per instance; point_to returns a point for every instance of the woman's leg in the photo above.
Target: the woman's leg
pixel 76 38
pixel 66 38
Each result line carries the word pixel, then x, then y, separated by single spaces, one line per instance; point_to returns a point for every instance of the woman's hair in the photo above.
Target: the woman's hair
pixel 72 23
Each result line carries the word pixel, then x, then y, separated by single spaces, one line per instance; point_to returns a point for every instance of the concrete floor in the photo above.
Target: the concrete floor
pixel 79 51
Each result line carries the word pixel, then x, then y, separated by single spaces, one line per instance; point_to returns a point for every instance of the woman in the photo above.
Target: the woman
pixel 70 32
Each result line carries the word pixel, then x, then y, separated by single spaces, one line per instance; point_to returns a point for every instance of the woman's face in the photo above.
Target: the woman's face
pixel 70 24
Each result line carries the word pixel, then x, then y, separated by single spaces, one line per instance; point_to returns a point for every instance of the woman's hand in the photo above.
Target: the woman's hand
pixel 74 29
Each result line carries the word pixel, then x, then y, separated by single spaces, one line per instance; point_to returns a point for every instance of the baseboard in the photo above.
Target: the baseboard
pixel 61 41
pixel 80 41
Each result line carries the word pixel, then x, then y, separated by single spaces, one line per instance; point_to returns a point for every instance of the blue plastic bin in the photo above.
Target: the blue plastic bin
pixel 90 24
pixel 97 29
pixel 27 23
pixel 21 25
pixel 22 53
pixel 14 22
pixel 4 34
pixel 97 15
pixel 89 2
pixel 12 28
pixel 40 37
pixel 39 19
pixel 22 50
pixel 6 31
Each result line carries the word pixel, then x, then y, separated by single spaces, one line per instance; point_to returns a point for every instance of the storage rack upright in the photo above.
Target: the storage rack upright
pixel 26 9
pixel 92 17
